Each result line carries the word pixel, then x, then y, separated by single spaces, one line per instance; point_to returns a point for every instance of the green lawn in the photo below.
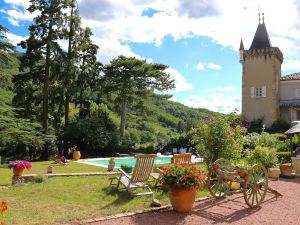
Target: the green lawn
pixel 41 167
pixel 64 199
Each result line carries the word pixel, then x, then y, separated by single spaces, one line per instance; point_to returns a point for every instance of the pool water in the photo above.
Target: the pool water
pixel 130 161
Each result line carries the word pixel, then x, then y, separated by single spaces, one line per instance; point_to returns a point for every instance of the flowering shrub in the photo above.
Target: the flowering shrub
pixel 182 177
pixel 3 210
pixel 19 165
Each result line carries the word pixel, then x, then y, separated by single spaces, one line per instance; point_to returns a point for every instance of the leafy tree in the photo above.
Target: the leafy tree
pixel 18 137
pixel 95 135
pixel 42 44
pixel 5 47
pixel 130 78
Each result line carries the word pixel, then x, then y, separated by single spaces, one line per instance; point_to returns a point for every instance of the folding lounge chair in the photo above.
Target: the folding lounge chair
pixel 177 158
pixel 139 177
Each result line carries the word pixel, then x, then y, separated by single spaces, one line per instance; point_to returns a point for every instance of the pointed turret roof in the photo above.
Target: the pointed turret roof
pixel 241 45
pixel 261 38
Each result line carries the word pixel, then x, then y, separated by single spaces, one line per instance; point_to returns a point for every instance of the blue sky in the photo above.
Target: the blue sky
pixel 199 40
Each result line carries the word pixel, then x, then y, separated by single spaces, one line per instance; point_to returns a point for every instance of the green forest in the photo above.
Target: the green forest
pixel 53 100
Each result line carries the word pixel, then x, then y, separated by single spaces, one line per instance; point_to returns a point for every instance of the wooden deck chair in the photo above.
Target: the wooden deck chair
pixel 185 158
pixel 139 177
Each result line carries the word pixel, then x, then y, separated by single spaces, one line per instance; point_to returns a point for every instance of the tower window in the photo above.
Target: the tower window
pixel 258 92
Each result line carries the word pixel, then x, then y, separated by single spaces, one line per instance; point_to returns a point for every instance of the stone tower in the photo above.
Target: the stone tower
pixel 261 77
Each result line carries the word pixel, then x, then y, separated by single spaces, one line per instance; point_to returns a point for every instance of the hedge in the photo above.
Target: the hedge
pixel 284 157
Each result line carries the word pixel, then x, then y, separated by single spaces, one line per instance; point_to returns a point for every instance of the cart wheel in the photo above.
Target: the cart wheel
pixel 217 183
pixel 256 185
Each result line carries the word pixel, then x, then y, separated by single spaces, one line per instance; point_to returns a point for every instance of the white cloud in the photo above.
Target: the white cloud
pixel 291 64
pixel 214 66
pixel 19 12
pixel 173 98
pixel 222 89
pixel 210 65
pixel 200 66
pixel 114 22
pixel 14 39
pixel 23 3
pixel 215 102
pixel 180 83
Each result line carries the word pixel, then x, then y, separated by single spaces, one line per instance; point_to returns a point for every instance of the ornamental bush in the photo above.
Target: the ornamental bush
pixel 264 155
pixel 267 140
pixel 218 139
pixel 182 177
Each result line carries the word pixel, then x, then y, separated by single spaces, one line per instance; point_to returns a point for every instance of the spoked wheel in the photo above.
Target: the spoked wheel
pixel 256 186
pixel 217 184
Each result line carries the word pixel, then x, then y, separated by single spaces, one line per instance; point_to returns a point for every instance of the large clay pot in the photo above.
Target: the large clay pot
pixel 296 165
pixel 18 172
pixel 182 200
pixel 274 173
pixel 286 169
pixel 76 155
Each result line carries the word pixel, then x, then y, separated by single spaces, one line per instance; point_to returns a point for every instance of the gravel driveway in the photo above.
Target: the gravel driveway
pixel 230 210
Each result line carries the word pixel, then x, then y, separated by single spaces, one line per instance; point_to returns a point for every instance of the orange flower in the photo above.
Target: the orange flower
pixel 3 206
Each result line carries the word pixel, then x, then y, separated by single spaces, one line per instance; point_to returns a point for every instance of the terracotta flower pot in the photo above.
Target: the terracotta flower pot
pixel 274 173
pixel 76 155
pixel 286 169
pixel 182 200
pixel 18 172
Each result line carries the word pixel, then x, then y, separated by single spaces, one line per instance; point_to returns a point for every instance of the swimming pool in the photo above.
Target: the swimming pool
pixel 126 160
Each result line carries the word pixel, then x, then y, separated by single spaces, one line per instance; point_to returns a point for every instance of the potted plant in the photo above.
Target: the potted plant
pixel 126 168
pixel 286 170
pixel 181 182
pixel 19 166
pixel 267 157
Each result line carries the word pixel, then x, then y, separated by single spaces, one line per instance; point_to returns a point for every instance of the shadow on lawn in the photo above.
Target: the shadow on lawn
pixel 122 196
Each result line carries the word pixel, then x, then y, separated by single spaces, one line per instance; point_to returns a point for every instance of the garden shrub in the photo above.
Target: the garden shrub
pixel 295 141
pixel 95 135
pixel 266 140
pixel 148 148
pixel 264 155
pixel 256 126
pixel 217 139
pixel 279 126
pixel 284 157
pixel 39 179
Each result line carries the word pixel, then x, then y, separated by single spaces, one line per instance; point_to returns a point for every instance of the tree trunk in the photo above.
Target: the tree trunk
pixel 123 116
pixel 71 34
pixel 46 90
pixel 67 103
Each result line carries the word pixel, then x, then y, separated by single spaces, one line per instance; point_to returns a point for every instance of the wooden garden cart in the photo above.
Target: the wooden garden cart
pixel 253 182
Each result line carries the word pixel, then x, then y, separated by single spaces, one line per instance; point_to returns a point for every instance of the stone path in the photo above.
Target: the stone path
pixel 230 210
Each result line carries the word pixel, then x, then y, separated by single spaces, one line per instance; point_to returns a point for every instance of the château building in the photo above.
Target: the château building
pixel 265 93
